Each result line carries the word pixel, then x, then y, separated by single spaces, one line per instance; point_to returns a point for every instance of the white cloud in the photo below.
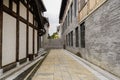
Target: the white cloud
pixel 53 9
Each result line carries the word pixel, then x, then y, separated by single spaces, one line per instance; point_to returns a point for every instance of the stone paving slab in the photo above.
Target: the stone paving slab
pixel 60 66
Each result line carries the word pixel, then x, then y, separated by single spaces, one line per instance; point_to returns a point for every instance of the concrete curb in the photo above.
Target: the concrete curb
pixel 100 73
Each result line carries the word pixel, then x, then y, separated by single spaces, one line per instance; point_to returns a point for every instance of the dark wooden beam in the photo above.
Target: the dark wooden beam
pixel 1 24
pixel 10 4
pixel 22 1
pixel 31 25
pixel 38 41
pixel 9 66
pixel 23 20
pixel 22 60
pixel 7 10
pixel 33 42
pixel 33 37
pixel 27 39
pixel 17 32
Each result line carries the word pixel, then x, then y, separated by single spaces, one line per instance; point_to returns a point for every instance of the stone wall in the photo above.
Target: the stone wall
pixel 102 36
pixel 53 44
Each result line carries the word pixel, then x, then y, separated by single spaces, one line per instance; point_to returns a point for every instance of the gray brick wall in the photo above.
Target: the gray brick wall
pixel 102 37
pixel 54 44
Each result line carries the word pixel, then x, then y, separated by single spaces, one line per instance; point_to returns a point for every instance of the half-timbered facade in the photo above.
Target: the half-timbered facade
pixel 21 27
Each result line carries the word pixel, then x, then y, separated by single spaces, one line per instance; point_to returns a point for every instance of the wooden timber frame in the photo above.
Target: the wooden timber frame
pixel 1 23
pixel 19 18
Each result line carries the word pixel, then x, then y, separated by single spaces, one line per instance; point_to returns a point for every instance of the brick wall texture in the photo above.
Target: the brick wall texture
pixel 102 37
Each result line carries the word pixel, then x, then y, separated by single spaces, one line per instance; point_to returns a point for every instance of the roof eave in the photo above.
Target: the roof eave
pixel 62 9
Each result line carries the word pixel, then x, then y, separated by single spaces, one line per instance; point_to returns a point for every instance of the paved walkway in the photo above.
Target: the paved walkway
pixel 60 66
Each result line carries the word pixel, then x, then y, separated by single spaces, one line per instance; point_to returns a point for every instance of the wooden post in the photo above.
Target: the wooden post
pixel 33 37
pixel 17 32
pixel 1 24
pixel 27 48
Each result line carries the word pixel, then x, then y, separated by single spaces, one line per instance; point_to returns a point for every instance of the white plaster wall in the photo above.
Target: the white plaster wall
pixel 23 11
pixel 35 41
pixel 6 3
pixel 8 39
pixel 22 40
pixel 30 17
pixel 30 40
pixel 14 7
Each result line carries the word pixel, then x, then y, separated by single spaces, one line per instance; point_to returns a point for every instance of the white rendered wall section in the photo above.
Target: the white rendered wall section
pixel 14 7
pixel 35 41
pixel 30 17
pixel 6 3
pixel 22 40
pixel 8 39
pixel 23 11
pixel 30 40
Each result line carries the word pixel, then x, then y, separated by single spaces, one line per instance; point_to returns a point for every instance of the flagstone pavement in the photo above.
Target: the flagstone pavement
pixel 60 66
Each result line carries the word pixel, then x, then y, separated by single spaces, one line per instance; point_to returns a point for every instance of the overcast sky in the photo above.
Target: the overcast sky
pixel 53 9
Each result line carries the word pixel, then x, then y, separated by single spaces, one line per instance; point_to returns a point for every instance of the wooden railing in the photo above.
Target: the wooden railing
pixel 90 6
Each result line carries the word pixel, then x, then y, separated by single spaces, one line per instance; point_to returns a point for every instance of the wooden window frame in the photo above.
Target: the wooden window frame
pixel 77 36
pixel 82 30
pixel 68 18
pixel 66 41
pixel 71 8
pixel 75 8
pixel 71 38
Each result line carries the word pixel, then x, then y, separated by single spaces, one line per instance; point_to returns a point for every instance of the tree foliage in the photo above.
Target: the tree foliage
pixel 54 36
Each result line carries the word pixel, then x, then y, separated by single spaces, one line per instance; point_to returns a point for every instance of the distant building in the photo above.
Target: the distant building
pixel 59 31
pixel 21 27
pixel 46 35
pixel 68 21
pixel 92 28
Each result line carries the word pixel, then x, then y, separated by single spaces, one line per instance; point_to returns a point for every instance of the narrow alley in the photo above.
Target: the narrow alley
pixel 60 65
pixel 59 39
